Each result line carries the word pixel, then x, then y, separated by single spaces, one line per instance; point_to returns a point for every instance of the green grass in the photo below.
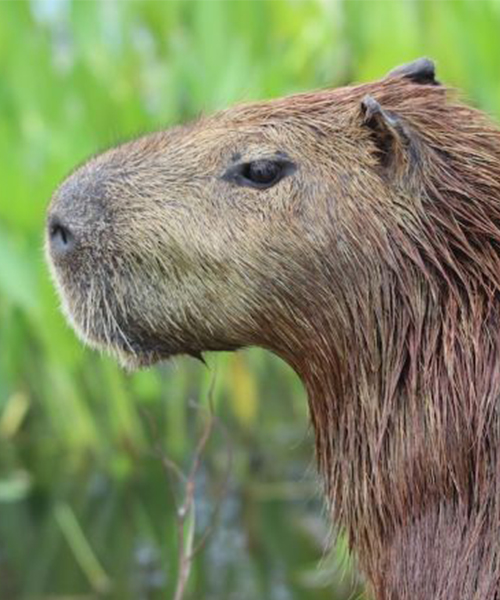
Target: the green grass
pixel 85 508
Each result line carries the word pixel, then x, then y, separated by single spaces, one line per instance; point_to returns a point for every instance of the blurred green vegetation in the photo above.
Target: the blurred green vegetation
pixel 85 507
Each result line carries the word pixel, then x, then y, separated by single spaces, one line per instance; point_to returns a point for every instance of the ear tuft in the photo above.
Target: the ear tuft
pixel 397 148
pixel 385 129
pixel 421 71
pixel 373 112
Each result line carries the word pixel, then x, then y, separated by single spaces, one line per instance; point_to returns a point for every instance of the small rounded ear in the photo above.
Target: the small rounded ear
pixel 391 139
pixel 422 71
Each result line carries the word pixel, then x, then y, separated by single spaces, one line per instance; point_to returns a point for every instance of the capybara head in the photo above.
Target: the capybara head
pixel 196 239
pixel 228 232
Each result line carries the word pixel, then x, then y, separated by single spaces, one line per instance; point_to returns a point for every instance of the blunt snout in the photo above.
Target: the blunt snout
pixel 61 237
pixel 77 218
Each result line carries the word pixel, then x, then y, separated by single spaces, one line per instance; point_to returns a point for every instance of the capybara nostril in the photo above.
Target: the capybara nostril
pixel 62 240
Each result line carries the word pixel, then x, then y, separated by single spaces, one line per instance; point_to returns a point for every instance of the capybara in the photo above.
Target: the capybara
pixel 355 233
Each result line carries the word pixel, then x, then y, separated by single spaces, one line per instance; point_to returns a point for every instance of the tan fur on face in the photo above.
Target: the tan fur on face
pixel 378 281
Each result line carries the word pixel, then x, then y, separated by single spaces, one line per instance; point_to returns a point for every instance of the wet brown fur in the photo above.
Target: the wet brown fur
pixel 377 280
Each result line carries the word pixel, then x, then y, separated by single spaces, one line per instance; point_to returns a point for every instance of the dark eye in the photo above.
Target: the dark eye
pixel 261 174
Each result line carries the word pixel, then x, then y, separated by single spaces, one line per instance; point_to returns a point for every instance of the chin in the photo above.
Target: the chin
pixel 135 362
pixel 128 342
pixel 129 359
pixel 130 355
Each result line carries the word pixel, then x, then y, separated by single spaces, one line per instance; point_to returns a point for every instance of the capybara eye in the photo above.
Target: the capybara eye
pixel 261 174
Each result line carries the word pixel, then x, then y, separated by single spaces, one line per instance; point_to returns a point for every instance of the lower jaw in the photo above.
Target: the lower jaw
pixel 135 361
pixel 128 358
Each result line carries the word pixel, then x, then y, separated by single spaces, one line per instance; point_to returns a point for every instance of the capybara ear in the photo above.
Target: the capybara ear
pixel 422 71
pixel 387 131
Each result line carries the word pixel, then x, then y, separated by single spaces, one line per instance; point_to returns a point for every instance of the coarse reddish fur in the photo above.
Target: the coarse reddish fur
pixel 407 413
pixel 406 403
pixel 388 306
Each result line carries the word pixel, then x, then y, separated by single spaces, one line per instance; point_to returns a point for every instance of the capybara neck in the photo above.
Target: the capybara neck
pixel 407 439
